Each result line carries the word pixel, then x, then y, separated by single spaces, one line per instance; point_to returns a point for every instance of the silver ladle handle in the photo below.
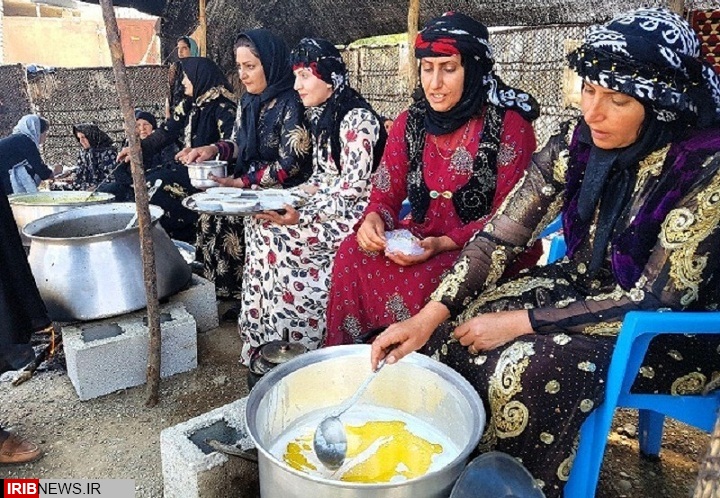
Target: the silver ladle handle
pixel 350 401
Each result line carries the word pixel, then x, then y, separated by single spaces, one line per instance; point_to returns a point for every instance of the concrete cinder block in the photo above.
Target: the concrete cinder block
pixel 200 301
pixel 191 469
pixel 107 355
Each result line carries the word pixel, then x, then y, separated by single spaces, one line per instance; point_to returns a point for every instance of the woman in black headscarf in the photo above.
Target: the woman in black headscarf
pixel 271 148
pixel 96 160
pixel 637 179
pixel 456 153
pixel 205 115
pixel 294 251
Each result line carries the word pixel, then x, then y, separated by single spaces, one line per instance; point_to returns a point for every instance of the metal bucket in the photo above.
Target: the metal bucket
pixel 87 265
pixel 322 379
pixel 32 206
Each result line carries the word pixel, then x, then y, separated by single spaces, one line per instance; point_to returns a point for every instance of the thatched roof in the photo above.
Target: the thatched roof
pixel 343 21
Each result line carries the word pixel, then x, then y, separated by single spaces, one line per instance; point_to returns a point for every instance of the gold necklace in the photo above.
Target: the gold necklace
pixel 461 144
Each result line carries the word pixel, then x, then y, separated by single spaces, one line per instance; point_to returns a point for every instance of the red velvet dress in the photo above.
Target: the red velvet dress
pixel 369 291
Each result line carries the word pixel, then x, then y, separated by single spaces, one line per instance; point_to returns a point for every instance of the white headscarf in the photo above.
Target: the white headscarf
pixel 29 125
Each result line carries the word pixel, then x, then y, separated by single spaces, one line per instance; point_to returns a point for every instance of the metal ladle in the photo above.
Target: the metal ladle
pixel 151 192
pixel 330 440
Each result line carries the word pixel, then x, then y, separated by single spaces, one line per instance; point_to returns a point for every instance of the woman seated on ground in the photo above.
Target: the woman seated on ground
pixel 205 116
pixel 637 181
pixel 290 255
pixel 271 148
pixel 22 150
pixel 456 153
pixel 96 160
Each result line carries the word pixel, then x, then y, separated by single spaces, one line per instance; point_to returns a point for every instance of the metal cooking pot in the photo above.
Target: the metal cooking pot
pixel 87 265
pixel 321 379
pixel 30 207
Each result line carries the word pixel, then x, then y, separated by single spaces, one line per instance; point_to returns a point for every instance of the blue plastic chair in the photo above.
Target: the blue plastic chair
pixel 638 328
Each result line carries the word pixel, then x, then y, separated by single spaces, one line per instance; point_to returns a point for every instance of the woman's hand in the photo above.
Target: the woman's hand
pixel 431 245
pixel 291 216
pixel 124 155
pixel 402 338
pixel 491 330
pixel 309 189
pixel 227 181
pixel 371 234
pixel 198 154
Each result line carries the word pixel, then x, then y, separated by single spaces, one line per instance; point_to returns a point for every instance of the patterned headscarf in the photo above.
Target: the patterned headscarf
pixel 653 55
pixel 457 34
pixel 96 137
pixel 326 63
pixel 194 49
pixel 140 114
pixel 29 125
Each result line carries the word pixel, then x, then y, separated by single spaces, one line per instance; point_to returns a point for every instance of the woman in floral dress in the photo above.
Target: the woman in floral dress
pixel 637 179
pixel 290 255
pixel 456 153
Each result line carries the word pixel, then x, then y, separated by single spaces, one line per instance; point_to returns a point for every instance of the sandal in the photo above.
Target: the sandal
pixel 14 449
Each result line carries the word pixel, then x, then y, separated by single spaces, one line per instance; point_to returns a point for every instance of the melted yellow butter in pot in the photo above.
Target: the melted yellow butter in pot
pixel 378 451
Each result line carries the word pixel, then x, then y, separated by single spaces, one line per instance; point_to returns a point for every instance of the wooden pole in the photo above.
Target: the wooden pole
pixel 141 201
pixel 708 480
pixel 202 29
pixel 412 25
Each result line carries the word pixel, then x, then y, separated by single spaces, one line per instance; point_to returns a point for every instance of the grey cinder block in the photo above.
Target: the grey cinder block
pixel 200 301
pixel 104 356
pixel 191 469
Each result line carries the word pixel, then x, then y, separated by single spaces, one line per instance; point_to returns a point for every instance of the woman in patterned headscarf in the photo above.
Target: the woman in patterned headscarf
pixel 456 153
pixel 271 148
pixel 290 255
pixel 637 179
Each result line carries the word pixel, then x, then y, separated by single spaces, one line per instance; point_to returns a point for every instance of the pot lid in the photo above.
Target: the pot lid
pixel 282 351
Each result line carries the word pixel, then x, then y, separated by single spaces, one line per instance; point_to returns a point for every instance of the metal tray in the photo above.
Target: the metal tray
pixel 241 202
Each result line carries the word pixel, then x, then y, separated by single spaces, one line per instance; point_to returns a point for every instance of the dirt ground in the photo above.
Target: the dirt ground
pixel 117 437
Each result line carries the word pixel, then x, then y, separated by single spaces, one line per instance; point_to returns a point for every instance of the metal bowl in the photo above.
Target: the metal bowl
pixel 199 172
pixel 30 207
pixel 322 379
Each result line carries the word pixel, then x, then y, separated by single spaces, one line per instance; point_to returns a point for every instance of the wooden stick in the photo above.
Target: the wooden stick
pixel 141 202
pixel 412 21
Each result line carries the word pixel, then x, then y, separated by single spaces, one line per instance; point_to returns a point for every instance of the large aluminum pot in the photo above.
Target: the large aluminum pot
pixel 87 265
pixel 30 207
pixel 322 379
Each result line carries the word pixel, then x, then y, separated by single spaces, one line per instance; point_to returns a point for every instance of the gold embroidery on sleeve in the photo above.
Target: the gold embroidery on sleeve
pixel 682 232
pixel 608 329
pixel 651 166
pixel 450 285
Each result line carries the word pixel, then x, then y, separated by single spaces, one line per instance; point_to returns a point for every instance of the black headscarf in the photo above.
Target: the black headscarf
pixel 274 56
pixel 98 139
pixel 454 33
pixel 653 56
pixel 140 114
pixel 204 75
pixel 326 63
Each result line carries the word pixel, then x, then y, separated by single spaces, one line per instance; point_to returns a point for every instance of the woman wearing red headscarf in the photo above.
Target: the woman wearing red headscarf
pixel 456 153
